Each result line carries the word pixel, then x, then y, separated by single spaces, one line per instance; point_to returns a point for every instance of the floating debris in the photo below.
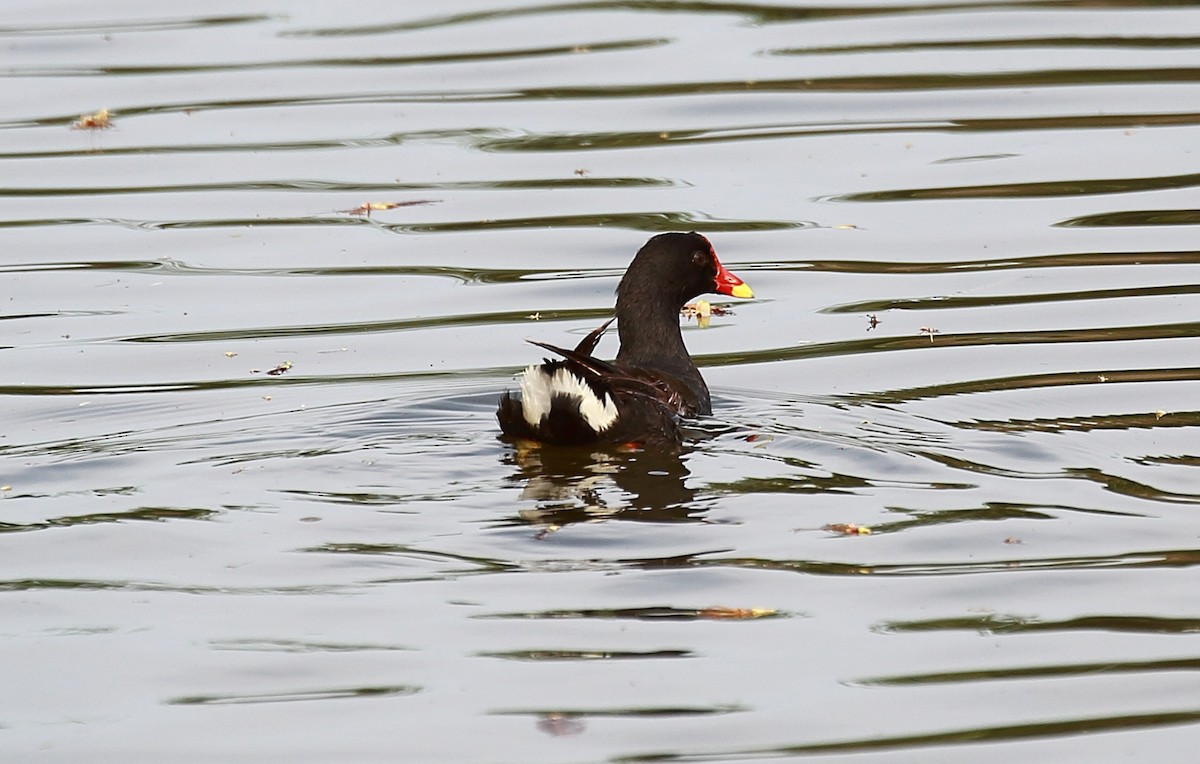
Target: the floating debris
pixel 930 331
pixel 847 529
pixel 703 310
pixel 872 321
pixel 280 369
pixel 97 121
pixel 697 309
pixel 366 208
pixel 737 613
pixel 560 724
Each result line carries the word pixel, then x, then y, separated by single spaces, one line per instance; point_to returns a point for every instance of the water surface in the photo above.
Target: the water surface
pixel 971 229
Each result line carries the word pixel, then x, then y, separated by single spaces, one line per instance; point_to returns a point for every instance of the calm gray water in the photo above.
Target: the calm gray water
pixel 341 562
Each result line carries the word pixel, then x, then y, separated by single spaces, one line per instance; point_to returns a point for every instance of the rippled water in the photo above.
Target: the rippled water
pixel 971 228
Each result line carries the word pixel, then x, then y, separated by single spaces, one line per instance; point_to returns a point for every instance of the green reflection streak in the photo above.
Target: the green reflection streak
pixel 86 584
pixel 1056 188
pixel 354 62
pixel 298 695
pixel 999 624
pixel 959 302
pixel 300 646
pixel 374 327
pixel 1067 260
pixel 652 613
pixel 1158 559
pixel 152 514
pixel 967 736
pixel 178 268
pixel 1037 381
pixel 1133 218
pixel 985 43
pixel 753 13
pixel 118 27
pixel 730 134
pixel 1023 672
pixel 973 339
pixel 1114 483
pixel 233 384
pixel 496 140
pixel 1141 421
pixel 563 654
pixel 628 711
pixel 650 222
pixel 323 186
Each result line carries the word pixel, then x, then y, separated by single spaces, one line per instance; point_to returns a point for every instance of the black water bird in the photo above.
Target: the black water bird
pixel 639 397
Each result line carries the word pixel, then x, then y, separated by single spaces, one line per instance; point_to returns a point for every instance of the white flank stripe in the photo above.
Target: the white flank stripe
pixel 535 394
pixel 538 388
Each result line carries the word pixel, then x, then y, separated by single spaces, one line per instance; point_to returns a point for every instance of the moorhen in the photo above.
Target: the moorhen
pixel 638 398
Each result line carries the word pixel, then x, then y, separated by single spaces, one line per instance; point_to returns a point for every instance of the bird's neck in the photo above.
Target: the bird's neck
pixel 650 335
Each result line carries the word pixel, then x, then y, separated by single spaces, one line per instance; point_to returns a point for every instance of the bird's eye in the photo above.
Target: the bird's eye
pixel 699 257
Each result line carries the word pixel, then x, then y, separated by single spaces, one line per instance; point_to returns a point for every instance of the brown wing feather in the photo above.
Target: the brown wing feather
pixel 587 345
pixel 607 376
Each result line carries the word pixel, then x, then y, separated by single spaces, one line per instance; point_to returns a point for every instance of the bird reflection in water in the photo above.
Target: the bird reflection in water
pixel 573 485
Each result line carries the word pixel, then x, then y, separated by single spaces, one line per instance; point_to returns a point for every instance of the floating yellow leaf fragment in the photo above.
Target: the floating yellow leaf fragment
pixel 5 487
pixel 737 613
pixel 97 121
pixel 230 354
pixel 847 529
pixel 534 316
pixel 1159 414
pixel 845 227
pixel 366 208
